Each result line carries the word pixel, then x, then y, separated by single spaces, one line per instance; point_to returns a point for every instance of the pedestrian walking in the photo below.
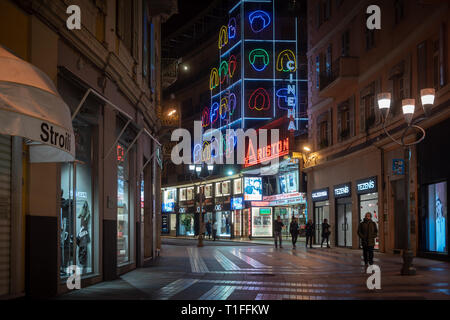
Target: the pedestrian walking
pixel 367 232
pixel 208 229
pixel 277 226
pixel 214 229
pixel 293 230
pixel 309 233
pixel 325 232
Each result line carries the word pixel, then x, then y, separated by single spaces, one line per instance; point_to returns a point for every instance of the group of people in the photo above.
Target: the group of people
pixel 367 232
pixel 294 230
pixel 211 228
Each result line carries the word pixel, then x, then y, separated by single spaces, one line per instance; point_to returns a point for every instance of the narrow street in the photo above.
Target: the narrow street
pixel 236 271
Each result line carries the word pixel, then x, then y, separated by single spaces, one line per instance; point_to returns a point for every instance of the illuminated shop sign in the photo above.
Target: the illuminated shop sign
pixel 368 185
pixel 265 211
pixel 237 203
pixel 168 206
pixel 267 153
pixel 284 199
pixel 342 190
pixel 320 194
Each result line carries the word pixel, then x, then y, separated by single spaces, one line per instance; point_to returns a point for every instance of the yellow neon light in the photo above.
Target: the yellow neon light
pixel 286 61
pixel 223 37
pixel 213 78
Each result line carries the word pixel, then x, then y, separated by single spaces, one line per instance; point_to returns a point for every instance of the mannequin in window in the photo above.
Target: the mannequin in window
pixel 66 234
pixel 83 238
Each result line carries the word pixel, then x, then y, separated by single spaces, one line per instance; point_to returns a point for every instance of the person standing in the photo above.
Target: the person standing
pixel 214 229
pixel 208 229
pixel 367 232
pixel 293 230
pixel 278 225
pixel 325 232
pixel 309 233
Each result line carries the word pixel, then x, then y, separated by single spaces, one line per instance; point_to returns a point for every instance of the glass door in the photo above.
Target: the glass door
pixel 318 216
pixel 344 222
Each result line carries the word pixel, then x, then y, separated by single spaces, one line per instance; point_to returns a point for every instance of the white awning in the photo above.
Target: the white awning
pixel 31 107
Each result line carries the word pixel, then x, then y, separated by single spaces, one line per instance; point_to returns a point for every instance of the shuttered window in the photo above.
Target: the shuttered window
pixel 5 213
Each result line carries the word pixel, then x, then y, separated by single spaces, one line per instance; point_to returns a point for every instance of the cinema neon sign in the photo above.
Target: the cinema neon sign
pixel 266 153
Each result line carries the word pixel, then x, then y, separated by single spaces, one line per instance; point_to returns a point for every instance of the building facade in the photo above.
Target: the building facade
pixel 98 214
pixel 355 168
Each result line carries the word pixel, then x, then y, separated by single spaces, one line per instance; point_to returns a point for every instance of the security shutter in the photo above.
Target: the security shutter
pixel 5 212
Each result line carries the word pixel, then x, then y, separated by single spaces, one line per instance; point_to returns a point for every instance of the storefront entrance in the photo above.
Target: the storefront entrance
pixel 344 222
pixel 321 211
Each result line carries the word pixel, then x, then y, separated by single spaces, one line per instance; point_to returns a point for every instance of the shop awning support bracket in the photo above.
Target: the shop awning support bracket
pixel 117 139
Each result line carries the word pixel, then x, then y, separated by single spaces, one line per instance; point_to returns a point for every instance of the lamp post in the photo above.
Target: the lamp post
pixel 202 172
pixel 408 108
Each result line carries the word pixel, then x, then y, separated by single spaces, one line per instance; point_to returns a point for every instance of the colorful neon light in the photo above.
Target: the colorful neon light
pixel 223 71
pixel 259 100
pixel 223 37
pixel 269 152
pixel 231 103
pixel 286 98
pixel 259 20
pixel 262 55
pixel 286 61
pixel 213 79
pixel 205 117
pixel 231 65
pixel 232 28
pixel 214 113
pixel 197 152
pixel 223 108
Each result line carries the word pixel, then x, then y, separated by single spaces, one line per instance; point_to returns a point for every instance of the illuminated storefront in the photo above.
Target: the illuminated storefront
pixel 321 209
pixel 367 190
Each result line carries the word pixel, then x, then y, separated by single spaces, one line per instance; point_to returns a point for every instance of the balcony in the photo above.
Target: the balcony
pixel 344 72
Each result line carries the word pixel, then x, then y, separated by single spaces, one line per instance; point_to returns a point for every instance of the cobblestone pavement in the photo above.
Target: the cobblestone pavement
pixel 260 272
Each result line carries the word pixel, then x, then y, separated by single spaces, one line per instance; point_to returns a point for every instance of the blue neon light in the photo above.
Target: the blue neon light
pixel 284 94
pixel 229 50
pixel 232 28
pixel 214 113
pixel 259 20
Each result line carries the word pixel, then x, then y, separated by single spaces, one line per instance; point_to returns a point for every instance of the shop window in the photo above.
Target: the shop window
pixel 190 193
pixel 436 218
pixel 237 188
pixel 123 207
pixel 226 188
pixel 186 225
pixel 218 189
pixel 208 191
pixel 77 213
pixel 183 194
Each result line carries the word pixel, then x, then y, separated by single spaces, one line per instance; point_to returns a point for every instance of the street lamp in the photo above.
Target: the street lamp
pixel 203 171
pixel 408 108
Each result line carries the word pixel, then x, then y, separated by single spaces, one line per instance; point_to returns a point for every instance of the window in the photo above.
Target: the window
pixel 370 39
pixel 367 107
pixel 328 58
pixel 183 194
pixel 327 10
pixel 436 220
pixel 226 188
pixel 317 72
pixel 324 130
pixel 190 193
pixel 218 189
pixel 399 10
pixel 436 64
pixel 345 119
pixel 399 93
pixel 77 199
pixel 148 50
pixel 123 206
pixel 345 39
pixel 237 188
pixel 422 66
pixel 124 22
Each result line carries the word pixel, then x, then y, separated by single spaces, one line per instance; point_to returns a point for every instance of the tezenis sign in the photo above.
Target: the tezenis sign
pixel 266 153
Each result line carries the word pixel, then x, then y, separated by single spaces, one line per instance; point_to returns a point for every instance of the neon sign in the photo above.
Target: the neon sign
pixel 214 113
pixel 259 20
pixel 286 61
pixel 232 28
pixel 286 97
pixel 223 37
pixel 213 79
pixel 205 117
pixel 256 56
pixel 259 100
pixel 231 65
pixel 266 153
pixel 223 71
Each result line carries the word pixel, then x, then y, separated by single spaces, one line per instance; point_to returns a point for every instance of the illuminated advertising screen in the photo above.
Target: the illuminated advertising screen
pixel 262 222
pixel 168 202
pixel 237 203
pixel 252 188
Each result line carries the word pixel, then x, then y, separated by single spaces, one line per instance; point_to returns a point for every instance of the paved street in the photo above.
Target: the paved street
pixel 259 272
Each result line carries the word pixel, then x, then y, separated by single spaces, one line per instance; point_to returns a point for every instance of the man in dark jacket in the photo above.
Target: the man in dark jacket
pixel 367 232
pixel 277 226
pixel 293 230
pixel 325 232
pixel 309 233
